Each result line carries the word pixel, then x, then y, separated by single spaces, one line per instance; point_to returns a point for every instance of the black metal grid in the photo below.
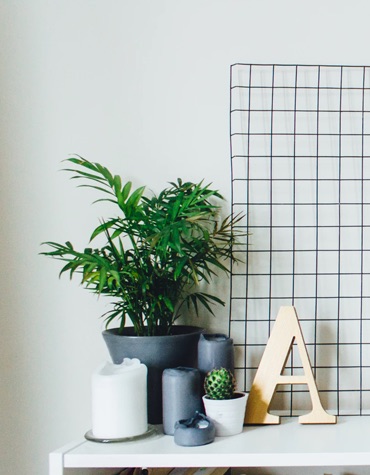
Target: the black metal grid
pixel 300 162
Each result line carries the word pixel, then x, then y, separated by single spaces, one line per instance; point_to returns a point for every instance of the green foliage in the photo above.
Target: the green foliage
pixel 156 251
pixel 219 384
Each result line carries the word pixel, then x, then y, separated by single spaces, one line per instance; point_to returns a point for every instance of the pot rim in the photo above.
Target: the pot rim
pixel 179 331
pixel 237 395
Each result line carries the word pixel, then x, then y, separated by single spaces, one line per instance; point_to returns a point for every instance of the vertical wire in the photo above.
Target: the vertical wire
pixel 271 199
pixel 317 218
pixel 294 214
pixel 247 211
pixel 339 234
pixel 232 190
pixel 362 237
pixel 248 189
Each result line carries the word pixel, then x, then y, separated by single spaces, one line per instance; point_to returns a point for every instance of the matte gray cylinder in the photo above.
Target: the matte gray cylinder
pixel 181 392
pixel 215 351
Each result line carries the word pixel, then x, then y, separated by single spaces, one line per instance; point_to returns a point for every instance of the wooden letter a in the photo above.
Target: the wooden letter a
pixel 285 332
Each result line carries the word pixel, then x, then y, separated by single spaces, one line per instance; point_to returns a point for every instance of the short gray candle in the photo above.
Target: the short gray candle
pixel 215 351
pixel 181 388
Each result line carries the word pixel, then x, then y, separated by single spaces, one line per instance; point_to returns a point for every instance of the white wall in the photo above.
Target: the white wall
pixel 142 86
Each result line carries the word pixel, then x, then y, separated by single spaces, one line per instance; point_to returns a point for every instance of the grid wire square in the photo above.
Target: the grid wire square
pixel 351 123
pixel 240 75
pixel 259 191
pixel 259 121
pixel 348 400
pixel 350 191
pixel 306 99
pixel 239 145
pixel 239 286
pixel 350 169
pixel 349 356
pixel 260 99
pixel 305 238
pixel 327 262
pixel 282 191
pixel 349 332
pixel 352 100
pixel 304 286
pixel 329 100
pixel 350 379
pixel 285 76
pixel 306 122
pixel 258 168
pixel 308 76
pixel 325 378
pixel 238 122
pixel 284 99
pixel 353 76
pixel 351 262
pixel 282 215
pixel 281 286
pixel 240 98
pixel 326 356
pixel 282 145
pixel 283 122
pixel 305 192
pixel 327 332
pixel 352 214
pixel 282 263
pixel 351 145
pixel 240 191
pixel 328 239
pixel 305 262
pixel 283 169
pixel 327 309
pixel 330 77
pixel 258 146
pixel 327 285
pixel 329 123
pixel 239 332
pixel 239 168
pixel 350 239
pixel 282 238
pixel 328 147
pixel 305 168
pixel 262 75
pixel 237 310
pixel 350 308
pixel 306 145
pixel 350 286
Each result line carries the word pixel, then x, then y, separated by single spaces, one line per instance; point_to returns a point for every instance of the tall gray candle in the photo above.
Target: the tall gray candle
pixel 215 351
pixel 181 388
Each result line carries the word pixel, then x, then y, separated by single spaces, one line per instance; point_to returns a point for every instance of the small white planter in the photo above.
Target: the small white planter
pixel 227 414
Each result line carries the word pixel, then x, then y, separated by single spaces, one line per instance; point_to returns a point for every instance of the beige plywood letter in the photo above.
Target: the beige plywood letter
pixel 285 333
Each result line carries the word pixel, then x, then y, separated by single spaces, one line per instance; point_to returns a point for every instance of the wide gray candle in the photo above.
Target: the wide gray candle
pixel 215 351
pixel 181 392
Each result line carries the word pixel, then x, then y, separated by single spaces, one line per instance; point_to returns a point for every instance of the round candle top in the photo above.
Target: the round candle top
pixel 215 337
pixel 179 371
pixel 111 369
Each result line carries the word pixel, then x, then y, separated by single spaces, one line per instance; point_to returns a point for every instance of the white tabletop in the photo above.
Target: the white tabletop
pixel 346 443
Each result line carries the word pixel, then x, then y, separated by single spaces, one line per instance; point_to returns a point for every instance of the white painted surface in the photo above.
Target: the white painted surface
pixel 287 445
pixel 142 86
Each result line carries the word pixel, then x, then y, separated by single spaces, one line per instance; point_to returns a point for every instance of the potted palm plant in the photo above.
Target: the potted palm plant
pixel 156 251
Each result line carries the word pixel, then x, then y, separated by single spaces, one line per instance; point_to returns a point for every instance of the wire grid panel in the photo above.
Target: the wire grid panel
pixel 300 154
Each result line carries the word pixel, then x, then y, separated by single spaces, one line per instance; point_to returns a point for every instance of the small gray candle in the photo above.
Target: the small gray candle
pixel 181 388
pixel 215 351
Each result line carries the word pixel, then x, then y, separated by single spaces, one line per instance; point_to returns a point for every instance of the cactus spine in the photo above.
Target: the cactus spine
pixel 219 384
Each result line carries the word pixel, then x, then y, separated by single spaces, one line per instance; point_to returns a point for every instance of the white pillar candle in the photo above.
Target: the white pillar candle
pixel 119 400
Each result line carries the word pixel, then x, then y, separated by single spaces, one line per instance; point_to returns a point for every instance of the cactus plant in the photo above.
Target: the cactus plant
pixel 219 384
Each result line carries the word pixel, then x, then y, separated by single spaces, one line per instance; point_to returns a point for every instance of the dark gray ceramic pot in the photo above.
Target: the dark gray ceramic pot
pixel 157 353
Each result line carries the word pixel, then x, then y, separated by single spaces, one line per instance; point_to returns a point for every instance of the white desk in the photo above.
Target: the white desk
pixel 289 444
